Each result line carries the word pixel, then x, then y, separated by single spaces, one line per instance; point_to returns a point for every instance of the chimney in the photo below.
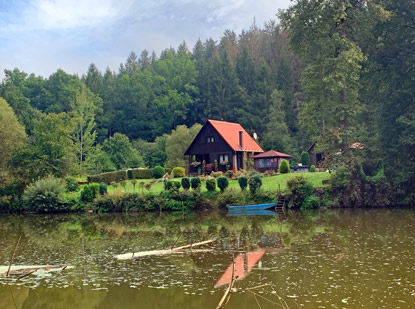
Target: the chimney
pixel 241 140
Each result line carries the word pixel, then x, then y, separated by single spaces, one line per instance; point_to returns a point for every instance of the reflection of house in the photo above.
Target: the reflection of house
pixel 269 160
pixel 222 141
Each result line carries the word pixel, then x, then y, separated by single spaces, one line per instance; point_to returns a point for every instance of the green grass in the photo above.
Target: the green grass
pixel 271 183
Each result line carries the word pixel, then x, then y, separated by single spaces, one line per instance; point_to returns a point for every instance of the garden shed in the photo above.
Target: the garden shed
pixel 269 160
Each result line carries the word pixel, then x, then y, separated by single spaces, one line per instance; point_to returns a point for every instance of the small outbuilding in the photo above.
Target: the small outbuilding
pixel 269 160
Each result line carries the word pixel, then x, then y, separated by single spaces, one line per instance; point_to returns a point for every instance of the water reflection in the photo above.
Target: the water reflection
pixel 316 259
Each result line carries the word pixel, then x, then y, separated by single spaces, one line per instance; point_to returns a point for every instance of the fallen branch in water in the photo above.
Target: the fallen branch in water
pixel 27 270
pixel 176 250
pixel 12 258
pixel 225 298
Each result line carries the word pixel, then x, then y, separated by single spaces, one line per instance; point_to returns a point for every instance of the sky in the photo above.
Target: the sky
pixel 41 36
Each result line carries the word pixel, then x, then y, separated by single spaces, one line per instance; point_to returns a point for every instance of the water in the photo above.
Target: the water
pixel 331 259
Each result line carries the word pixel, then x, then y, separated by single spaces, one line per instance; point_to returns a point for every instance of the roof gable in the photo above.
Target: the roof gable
pixel 271 154
pixel 230 133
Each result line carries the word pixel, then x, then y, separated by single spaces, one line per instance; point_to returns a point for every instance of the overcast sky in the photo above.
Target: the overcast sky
pixel 40 36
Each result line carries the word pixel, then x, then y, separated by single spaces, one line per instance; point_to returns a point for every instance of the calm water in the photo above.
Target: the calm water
pixel 331 259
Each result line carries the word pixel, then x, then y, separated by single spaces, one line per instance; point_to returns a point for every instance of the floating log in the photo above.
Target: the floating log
pixel 176 250
pixel 20 269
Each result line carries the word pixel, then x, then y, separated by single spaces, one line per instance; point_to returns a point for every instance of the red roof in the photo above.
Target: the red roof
pixel 272 154
pixel 230 133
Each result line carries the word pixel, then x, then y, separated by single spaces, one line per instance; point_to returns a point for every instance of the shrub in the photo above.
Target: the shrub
pixel 185 183
pixel 284 167
pixel 178 172
pixel 45 195
pixel 255 183
pixel 300 188
pixel 223 183
pixel 158 172
pixel 229 174
pixel 211 184
pixel 195 183
pixel 312 168
pixel 243 182
pixel 310 202
pixel 71 184
pixel 108 177
pixel 102 189
pixel 89 192
pixel 172 185
pixel 230 197
pixel 305 158
pixel 142 173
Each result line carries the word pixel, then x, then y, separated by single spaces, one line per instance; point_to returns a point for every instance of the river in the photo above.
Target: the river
pixel 321 259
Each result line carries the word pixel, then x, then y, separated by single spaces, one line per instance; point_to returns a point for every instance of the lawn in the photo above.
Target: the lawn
pixel 271 183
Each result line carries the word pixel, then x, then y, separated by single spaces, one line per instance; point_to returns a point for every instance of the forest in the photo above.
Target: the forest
pixel 338 73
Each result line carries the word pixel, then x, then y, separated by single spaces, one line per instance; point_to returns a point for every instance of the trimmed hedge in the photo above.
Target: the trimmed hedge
pixel 107 178
pixel 185 183
pixel 195 183
pixel 178 172
pixel 158 172
pixel 146 173
pixel 211 184
pixel 223 183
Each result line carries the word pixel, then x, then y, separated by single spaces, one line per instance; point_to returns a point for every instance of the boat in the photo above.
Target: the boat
pixel 253 207
pixel 242 212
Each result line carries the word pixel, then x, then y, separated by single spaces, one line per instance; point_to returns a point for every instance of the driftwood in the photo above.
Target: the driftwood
pixel 225 298
pixel 27 270
pixel 176 250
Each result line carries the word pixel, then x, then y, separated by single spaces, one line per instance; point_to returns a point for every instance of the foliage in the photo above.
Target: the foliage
pixel 158 171
pixel 89 192
pixel 121 153
pixel 45 195
pixel 243 182
pixel 12 137
pixel 284 167
pixel 173 185
pixel 230 197
pixel 305 158
pixel 185 183
pixel 311 202
pixel 211 184
pixel 312 168
pixel 108 178
pixel 195 183
pixel 71 184
pixel 223 183
pixel 140 173
pixel 300 189
pixel 255 182
pixel 103 188
pixel 229 174
pixel 178 172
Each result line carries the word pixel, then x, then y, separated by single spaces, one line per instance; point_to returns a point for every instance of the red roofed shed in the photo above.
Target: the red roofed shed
pixel 222 141
pixel 270 160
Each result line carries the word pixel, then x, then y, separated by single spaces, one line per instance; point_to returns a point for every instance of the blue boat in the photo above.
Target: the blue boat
pixel 252 207
pixel 251 213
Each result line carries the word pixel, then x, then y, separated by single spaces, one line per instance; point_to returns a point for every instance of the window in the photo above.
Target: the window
pixel 210 139
pixel 223 158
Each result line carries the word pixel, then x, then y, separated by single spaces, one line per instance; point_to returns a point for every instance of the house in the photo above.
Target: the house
pixel 316 158
pixel 223 142
pixel 269 160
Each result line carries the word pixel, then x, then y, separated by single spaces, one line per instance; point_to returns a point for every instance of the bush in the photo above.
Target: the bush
pixel 284 167
pixel 223 183
pixel 255 183
pixel 305 158
pixel 312 168
pixel 102 189
pixel 89 192
pixel 230 197
pixel 178 172
pixel 211 184
pixel 243 182
pixel 158 172
pixel 300 189
pixel 45 195
pixel 185 183
pixel 229 174
pixel 108 177
pixel 195 183
pixel 142 173
pixel 172 185
pixel 71 184
pixel 311 202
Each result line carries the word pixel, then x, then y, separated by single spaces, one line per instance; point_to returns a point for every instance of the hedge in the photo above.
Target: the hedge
pixel 108 177
pixel 146 173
